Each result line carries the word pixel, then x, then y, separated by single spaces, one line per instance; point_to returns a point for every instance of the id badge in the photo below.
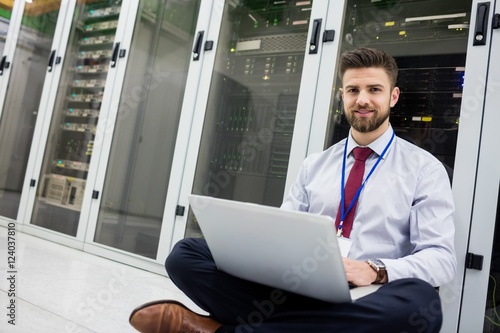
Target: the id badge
pixel 345 245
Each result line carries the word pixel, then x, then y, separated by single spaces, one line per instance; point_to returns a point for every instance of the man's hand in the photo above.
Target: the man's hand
pixel 359 273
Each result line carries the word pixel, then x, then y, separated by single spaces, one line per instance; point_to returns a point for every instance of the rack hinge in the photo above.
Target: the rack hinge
pixel 496 21
pixel 32 183
pixel 179 210
pixel 209 45
pixel 328 36
pixel 474 261
pixel 95 194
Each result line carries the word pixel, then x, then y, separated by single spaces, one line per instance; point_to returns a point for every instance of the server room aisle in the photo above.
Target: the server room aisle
pixel 63 290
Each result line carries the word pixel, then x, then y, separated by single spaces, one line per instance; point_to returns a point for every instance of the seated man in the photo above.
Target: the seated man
pixel 400 223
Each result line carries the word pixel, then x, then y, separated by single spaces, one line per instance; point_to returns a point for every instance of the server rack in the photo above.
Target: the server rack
pixel 65 183
pixel 90 54
pixel 131 207
pixel 248 128
pixel 432 42
pixel 23 74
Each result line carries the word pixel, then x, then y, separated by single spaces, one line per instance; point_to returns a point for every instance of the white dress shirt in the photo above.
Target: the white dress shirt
pixel 404 215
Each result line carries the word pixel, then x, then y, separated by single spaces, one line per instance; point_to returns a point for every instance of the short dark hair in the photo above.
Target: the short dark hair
pixel 363 57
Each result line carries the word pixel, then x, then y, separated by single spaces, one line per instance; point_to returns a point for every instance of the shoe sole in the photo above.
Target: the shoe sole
pixel 167 301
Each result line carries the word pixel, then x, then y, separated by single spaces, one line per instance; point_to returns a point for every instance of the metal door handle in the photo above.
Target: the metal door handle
pixel 197 46
pixel 51 60
pixel 481 30
pixel 4 64
pixel 313 43
pixel 115 55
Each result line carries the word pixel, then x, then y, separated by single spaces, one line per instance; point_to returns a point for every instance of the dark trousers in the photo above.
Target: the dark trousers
pixel 402 306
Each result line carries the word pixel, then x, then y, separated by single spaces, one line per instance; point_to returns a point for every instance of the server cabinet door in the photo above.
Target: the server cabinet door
pixel 10 20
pixel 241 150
pixel 66 148
pixel 5 20
pixel 26 70
pixel 481 296
pixel 130 215
pixel 315 97
pixel 443 64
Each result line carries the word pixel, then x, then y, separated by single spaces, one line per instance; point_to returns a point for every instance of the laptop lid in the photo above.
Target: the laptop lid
pixel 289 250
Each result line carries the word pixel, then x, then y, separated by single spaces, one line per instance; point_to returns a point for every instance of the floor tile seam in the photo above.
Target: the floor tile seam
pixel 88 258
pixel 56 315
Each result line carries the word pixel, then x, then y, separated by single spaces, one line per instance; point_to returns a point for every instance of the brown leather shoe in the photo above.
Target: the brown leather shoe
pixel 169 316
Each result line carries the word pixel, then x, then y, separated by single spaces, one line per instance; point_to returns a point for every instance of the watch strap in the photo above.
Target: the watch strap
pixel 379 267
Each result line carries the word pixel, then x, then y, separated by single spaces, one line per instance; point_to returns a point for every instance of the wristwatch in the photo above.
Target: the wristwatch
pixel 379 267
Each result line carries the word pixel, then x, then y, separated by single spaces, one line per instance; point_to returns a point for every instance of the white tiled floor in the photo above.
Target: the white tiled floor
pixel 63 290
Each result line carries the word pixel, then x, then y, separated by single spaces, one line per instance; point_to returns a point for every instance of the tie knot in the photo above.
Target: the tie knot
pixel 362 153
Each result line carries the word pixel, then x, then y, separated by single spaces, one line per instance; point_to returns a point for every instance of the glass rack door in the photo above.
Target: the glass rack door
pixel 140 162
pixel 428 39
pixel 251 109
pixel 20 109
pixel 73 126
pixel 480 302
pixel 5 18
pixel 492 311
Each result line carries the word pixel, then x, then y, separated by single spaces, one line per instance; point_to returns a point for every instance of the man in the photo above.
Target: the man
pixel 402 232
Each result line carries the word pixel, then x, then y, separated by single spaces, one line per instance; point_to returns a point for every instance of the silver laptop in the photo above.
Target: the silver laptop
pixel 288 250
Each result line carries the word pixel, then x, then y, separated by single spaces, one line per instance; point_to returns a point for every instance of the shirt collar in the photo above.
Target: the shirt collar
pixel 377 146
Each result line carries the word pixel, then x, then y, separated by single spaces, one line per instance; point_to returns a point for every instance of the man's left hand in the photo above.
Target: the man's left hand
pixel 359 273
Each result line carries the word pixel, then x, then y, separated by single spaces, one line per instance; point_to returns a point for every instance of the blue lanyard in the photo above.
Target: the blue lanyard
pixel 342 190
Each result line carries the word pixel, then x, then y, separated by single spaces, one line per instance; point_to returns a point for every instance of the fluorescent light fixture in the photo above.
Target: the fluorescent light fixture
pixel 29 1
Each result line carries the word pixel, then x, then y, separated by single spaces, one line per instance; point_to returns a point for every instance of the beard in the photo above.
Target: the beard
pixel 369 124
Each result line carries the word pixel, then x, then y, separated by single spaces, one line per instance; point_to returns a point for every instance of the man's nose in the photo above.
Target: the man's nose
pixel 362 98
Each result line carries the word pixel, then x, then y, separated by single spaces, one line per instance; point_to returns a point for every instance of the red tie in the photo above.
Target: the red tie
pixel 351 187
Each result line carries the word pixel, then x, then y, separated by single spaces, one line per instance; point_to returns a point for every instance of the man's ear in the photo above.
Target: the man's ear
pixel 394 96
pixel 342 93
